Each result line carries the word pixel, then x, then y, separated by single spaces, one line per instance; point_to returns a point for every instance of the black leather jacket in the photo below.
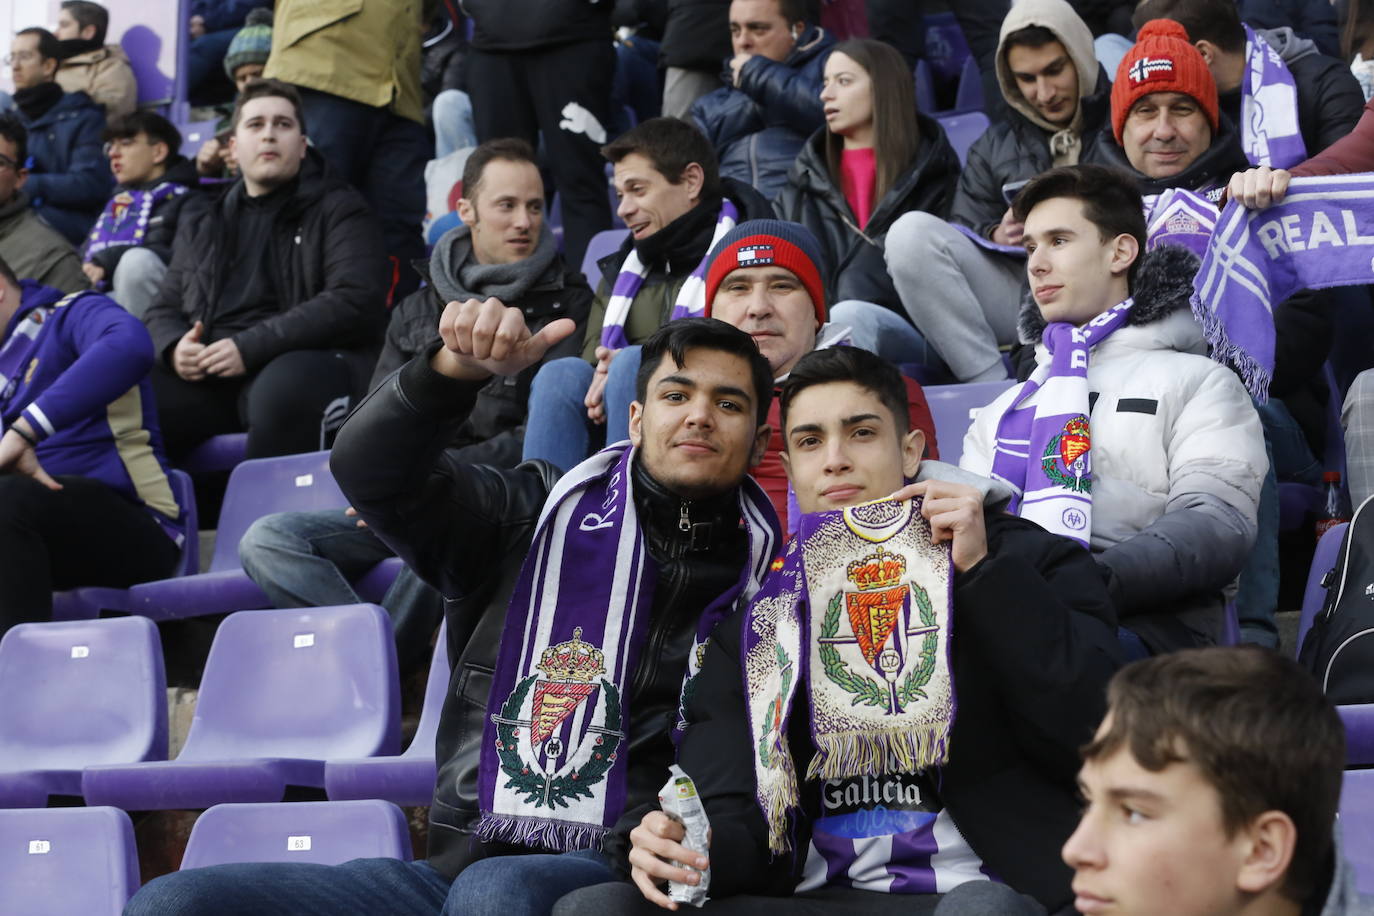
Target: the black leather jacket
pixel 466 529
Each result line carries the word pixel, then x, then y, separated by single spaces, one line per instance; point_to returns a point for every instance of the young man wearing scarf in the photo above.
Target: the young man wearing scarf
pixel 677 208
pixel 854 796
pixel 1126 438
pixel 88 64
pixel 578 603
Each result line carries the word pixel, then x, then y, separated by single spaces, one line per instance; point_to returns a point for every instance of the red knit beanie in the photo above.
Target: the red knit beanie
pixel 1162 60
pixel 763 242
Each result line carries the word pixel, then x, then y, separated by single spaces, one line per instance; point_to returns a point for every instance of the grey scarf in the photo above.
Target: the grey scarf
pixel 456 275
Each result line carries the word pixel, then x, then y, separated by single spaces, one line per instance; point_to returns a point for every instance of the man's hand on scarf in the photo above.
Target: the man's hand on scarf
pixel 1259 187
pixel 483 338
pixel 18 457
pixel 655 845
pixel 595 400
pixel 955 513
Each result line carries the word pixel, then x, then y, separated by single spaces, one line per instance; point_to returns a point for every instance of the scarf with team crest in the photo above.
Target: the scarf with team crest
pixel 1044 443
pixel 554 755
pixel 124 221
pixel 861 607
pixel 1269 129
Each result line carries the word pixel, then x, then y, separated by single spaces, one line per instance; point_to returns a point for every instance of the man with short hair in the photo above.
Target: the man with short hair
pixel 34 250
pixel 849 765
pixel 618 569
pixel 88 64
pixel 1126 438
pixel 84 495
pixel 759 121
pixel 69 179
pixel 128 250
pixel 273 305
pixel 959 287
pixel 1212 787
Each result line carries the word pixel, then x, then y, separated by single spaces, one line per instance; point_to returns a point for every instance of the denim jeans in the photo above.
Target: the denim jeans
pixel 882 331
pixel 557 429
pixel 526 885
pixel 453 125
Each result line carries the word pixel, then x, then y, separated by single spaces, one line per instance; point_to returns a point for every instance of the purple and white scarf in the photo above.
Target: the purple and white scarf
pixel 1044 440
pixel 1269 129
pixel 554 754
pixel 860 607
pixel 1319 236
pixel 1179 217
pixel 17 352
pixel 691 298
pixel 124 221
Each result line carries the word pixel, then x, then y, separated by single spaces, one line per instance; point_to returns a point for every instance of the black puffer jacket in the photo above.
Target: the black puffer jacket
pixel 856 267
pixel 330 273
pixel 523 25
pixel 1209 171
pixel 466 528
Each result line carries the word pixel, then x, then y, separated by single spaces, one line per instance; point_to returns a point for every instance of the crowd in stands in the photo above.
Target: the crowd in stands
pixel 633 470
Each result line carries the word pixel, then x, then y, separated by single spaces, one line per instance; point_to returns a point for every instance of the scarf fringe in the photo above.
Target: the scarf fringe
pixel 777 802
pixel 1253 374
pixel 540 832
pixel 881 753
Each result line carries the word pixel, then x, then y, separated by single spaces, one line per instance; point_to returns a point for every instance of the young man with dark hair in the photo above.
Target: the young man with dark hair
pixel 829 792
pixel 1211 787
pixel 128 249
pixel 69 180
pixel 273 305
pixel 1126 438
pixel 88 64
pixel 620 568
pixel 33 249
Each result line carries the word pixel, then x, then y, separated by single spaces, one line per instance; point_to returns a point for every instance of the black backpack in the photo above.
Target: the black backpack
pixel 1339 649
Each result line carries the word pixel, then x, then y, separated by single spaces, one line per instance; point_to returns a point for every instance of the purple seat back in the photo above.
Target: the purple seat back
pixel 602 244
pixel 952 408
pixel 67 860
pixel 309 683
pixel 1230 625
pixel 290 483
pixel 83 692
pixel 1359 734
pixel 1357 825
pixel 970 94
pixel 436 688
pixel 1323 561
pixel 185 492
pixel 322 833
pixel 946 48
pixel 193 137
pixel 925 88
pixel 218 453
pixel 963 130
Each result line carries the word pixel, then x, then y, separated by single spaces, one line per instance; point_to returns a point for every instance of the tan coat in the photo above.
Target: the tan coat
pixel 368 52
pixel 105 76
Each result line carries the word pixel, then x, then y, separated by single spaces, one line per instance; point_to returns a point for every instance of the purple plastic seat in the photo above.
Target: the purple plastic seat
pixel 256 488
pixel 1323 561
pixel 144 48
pixel 409 778
pixel 1357 825
pixel 1359 734
pixel 321 833
pixel 60 861
pixel 602 244
pixel 375 582
pixel 75 694
pixel 963 130
pixel 970 94
pixel 925 88
pixel 946 48
pixel 283 691
pixel 218 453
pixel 86 603
pixel 952 408
pixel 193 136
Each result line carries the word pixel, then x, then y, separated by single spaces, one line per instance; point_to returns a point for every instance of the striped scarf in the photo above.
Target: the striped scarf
pixel 1269 129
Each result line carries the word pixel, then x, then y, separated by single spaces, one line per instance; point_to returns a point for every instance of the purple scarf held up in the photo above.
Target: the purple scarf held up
pixel 1269 129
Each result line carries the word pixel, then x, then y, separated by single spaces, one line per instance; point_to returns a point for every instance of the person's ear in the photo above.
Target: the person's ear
pixel 1270 841
pixel 1208 51
pixel 636 424
pixel 84 33
pixel 467 212
pixel 1125 250
pixel 161 158
pixel 23 179
pixel 694 177
pixel 913 450
pixel 761 437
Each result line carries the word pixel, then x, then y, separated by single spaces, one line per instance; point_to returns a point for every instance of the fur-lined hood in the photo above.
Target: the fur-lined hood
pixel 1163 286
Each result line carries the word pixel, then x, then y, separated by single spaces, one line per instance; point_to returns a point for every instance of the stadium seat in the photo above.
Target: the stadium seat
pixel 970 94
pixel 144 49
pixel 409 778
pixel 374 583
pixel 1314 595
pixel 925 88
pixel 321 833
pixel 64 861
pixel 1357 825
pixel 1298 501
pixel 602 244
pixel 194 135
pixel 75 694
pixel 963 130
pixel 1359 734
pixel 952 407
pixel 86 603
pixel 256 488
pixel 283 691
pixel 218 453
pixel 946 48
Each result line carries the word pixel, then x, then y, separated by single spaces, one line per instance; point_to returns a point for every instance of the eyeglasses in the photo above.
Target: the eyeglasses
pixel 19 57
pixel 7 163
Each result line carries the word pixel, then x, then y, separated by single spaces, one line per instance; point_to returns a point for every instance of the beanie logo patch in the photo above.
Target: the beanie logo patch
pixel 754 255
pixel 1151 68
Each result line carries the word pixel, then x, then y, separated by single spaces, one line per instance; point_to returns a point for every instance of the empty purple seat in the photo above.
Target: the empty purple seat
pixel 952 408
pixel 256 488
pixel 602 244
pixel 963 130
pixel 61 861
pixel 218 453
pixel 1314 594
pixel 75 694
pixel 1357 825
pixel 375 582
pixel 970 94
pixel 85 603
pixel 925 88
pixel 193 137
pixel 283 691
pixel 1359 734
pixel 409 778
pixel 321 833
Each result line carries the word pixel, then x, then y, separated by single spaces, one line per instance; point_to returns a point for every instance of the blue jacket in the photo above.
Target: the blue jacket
pixel 758 128
pixel 224 14
pixel 87 396
pixel 69 180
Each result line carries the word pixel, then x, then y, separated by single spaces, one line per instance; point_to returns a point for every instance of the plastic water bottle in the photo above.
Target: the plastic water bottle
pixel 1335 505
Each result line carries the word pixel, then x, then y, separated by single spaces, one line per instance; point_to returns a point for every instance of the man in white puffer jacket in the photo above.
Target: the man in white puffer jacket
pixel 1166 496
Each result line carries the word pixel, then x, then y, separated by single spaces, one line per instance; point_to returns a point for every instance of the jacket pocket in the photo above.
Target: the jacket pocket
pixel 321 14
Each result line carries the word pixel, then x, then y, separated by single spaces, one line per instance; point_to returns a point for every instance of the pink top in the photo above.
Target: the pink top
pixel 858 175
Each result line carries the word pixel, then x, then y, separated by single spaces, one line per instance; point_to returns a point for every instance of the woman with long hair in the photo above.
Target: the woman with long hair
pixel 875 159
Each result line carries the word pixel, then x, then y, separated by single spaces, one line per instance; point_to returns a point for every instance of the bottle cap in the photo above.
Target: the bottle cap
pixel 1331 477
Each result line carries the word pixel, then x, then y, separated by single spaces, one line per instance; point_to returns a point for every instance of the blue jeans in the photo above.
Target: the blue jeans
pixel 309 559
pixel 453 125
pixel 882 331
pixel 557 429
pixel 526 885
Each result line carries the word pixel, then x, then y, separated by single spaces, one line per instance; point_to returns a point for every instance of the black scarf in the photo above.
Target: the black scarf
pixel 36 101
pixel 68 48
pixel 680 245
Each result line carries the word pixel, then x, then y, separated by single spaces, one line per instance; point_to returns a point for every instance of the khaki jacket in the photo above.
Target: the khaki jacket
pixel 36 251
pixel 105 76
